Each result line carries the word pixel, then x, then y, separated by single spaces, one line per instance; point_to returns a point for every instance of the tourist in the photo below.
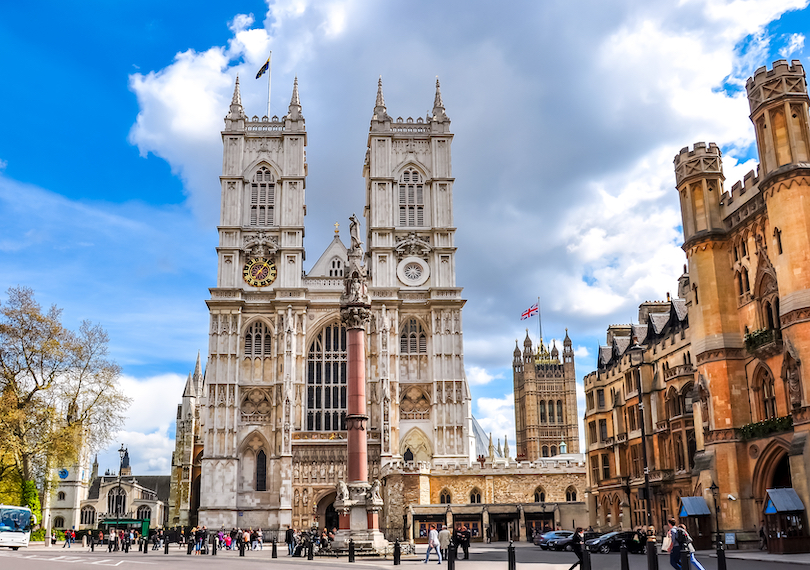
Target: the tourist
pixel 260 538
pixel 763 536
pixel 676 542
pixel 289 539
pixel 576 546
pixel 433 543
pixel 444 540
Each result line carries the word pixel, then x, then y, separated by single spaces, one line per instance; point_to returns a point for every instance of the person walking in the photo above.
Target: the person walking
pixel 466 537
pixel 444 540
pixel 433 543
pixel 289 538
pixel 676 542
pixel 576 545
pixel 489 534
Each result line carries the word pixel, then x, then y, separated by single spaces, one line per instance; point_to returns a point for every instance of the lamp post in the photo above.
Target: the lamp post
pixel 121 453
pixel 636 353
pixel 721 554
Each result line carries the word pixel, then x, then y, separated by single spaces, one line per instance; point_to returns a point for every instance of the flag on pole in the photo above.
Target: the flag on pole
pixel 531 311
pixel 264 68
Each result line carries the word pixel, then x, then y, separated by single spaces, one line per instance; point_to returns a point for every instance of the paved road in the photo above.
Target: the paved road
pixel 490 557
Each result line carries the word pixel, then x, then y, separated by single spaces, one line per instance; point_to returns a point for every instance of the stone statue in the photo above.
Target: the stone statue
pixel 794 385
pixel 374 492
pixel 342 491
pixel 354 232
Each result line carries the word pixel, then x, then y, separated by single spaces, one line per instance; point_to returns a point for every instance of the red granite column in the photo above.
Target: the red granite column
pixel 356 417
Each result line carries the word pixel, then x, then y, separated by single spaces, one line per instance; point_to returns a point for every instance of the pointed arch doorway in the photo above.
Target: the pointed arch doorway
pixel 327 515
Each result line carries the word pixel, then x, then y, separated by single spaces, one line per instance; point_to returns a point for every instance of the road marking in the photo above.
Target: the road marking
pixel 72 559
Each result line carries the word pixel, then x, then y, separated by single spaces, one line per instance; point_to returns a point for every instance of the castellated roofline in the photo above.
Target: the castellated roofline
pixel 780 67
pixel 783 81
pixel 702 160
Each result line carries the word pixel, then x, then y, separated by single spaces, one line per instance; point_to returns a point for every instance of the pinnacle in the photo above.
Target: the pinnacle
pixel 295 100
pixel 437 102
pixel 380 99
pixel 198 368
pixel 237 96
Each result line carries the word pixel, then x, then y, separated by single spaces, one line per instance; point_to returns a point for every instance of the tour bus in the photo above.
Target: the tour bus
pixel 15 526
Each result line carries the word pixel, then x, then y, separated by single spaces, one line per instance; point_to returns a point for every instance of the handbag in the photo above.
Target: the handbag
pixel 667 543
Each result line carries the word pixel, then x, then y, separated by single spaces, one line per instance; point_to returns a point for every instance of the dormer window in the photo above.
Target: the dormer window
pixel 336 268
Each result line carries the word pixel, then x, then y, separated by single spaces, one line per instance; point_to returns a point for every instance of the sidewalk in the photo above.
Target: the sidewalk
pixel 761 556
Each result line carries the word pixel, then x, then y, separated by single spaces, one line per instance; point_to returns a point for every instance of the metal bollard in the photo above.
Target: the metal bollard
pixel 214 546
pixel 242 548
pixel 145 545
pixel 190 546
pixel 452 550
pixel 586 559
pixel 351 550
pixel 510 556
pixel 92 544
pixel 652 553
pixel 166 545
pixel 311 551
pixel 398 553
pixel 685 565
pixel 275 550
pixel 625 560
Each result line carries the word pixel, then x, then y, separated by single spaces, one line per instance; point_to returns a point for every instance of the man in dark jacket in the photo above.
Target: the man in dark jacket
pixel 289 538
pixel 576 546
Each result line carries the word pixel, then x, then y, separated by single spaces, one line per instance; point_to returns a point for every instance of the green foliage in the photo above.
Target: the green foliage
pixel 765 428
pixel 30 499
pixel 755 339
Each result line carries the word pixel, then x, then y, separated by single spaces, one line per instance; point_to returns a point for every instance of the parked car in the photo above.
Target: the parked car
pixel 542 540
pixel 612 542
pixel 565 543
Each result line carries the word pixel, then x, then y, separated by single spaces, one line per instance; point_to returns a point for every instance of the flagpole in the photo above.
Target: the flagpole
pixel 539 320
pixel 269 74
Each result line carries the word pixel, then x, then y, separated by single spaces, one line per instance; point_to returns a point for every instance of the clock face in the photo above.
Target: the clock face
pixel 63 473
pixel 259 272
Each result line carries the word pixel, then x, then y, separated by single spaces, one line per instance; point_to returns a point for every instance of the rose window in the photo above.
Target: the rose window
pixel 413 271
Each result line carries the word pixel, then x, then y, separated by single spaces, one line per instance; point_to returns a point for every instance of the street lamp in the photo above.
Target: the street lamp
pixel 122 453
pixel 721 554
pixel 636 353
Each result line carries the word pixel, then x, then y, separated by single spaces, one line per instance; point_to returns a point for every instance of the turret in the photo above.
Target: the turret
pixel 516 361
pixel 555 354
pixel 699 178
pixel 294 120
pixel 568 350
pixel 439 115
pixel 380 120
pixel 779 106
pixel 527 347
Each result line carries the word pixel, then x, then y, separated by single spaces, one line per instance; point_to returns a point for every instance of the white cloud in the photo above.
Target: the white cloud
pixel 795 43
pixel 479 376
pixel 497 416
pixel 582 352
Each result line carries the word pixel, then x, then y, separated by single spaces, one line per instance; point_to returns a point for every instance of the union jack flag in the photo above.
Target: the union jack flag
pixel 529 312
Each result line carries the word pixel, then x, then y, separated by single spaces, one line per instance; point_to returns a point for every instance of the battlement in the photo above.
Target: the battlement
pixel 767 85
pixel 703 159
pixel 568 463
pixel 749 181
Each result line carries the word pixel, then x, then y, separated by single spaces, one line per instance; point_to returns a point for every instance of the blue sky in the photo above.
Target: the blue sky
pixel 565 125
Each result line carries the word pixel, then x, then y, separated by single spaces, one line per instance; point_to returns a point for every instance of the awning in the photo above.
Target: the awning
pixel 694 507
pixel 782 501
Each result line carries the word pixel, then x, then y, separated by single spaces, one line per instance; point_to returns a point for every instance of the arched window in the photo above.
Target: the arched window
pixel 743 246
pixel 408 455
pixel 88 515
pixel 542 408
pixel 551 411
pixel 571 495
pixel 746 286
pixel 413 339
pixel 411 199
pixel 262 198
pixel 116 501
pixel 326 380
pixel 559 411
pixel 258 341
pixel 144 513
pixel 673 403
pixel 336 268
pixel 261 471
pixel 767 399
pixel 60 496
pixel 545 451
pixel 539 495
pixel 59 522
pixel 475 496
pixel 444 497
pixel 553 450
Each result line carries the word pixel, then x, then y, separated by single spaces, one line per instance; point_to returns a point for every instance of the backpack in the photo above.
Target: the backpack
pixel 683 538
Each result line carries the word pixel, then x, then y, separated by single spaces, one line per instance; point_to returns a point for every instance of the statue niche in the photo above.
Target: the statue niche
pixel 414 405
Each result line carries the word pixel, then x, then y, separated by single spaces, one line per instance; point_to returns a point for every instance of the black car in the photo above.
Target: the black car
pixel 565 543
pixel 542 540
pixel 612 542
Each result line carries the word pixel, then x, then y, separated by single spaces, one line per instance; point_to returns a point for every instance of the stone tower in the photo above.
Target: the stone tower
pixel 187 445
pixel 546 416
pixel 411 256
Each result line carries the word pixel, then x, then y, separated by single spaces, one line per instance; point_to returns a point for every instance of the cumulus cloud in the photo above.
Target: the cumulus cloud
pixel 497 416
pixel 478 376
pixel 793 44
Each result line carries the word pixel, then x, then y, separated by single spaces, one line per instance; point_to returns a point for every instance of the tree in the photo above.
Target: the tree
pixel 59 392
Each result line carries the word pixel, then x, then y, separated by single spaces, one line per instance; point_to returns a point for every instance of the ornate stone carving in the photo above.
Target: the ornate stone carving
pixel 413 246
pixel 260 244
pixel 355 317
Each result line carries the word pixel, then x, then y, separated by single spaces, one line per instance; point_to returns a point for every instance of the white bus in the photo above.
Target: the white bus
pixel 15 526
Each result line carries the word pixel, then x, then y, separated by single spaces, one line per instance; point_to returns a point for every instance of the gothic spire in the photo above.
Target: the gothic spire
pixel 380 99
pixel 198 368
pixel 189 391
pixel 237 96
pixel 438 105
pixel 295 102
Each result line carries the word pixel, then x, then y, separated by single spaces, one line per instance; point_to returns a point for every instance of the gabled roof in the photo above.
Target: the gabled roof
pixel 640 332
pixel 679 305
pixel 782 501
pixel 659 321
pixel 620 344
pixel 605 352
pixel 322 266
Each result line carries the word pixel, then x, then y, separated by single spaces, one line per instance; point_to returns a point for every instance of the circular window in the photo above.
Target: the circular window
pixel 413 271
